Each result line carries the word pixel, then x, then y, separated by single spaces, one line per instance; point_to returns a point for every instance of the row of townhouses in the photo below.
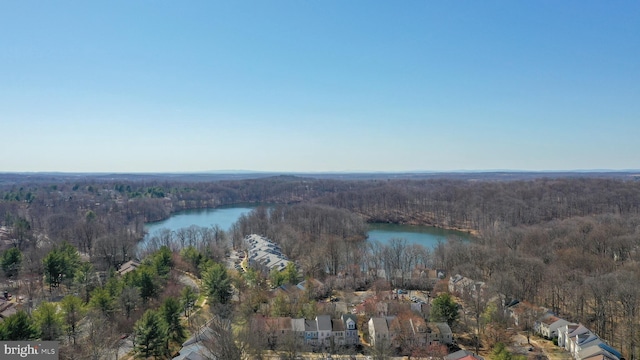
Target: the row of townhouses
pixel 463 286
pixel 265 253
pixel 583 344
pixel 408 331
pixel 579 341
pixel 323 331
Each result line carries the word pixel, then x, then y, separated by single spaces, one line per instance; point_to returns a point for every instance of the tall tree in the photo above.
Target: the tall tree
pixel 99 337
pixel 444 309
pixel 21 232
pixel 222 342
pixel 61 263
pixel 217 285
pixel 10 262
pixel 19 327
pixel 129 300
pixel 147 283
pixel 85 278
pixel 276 277
pixel 162 261
pixel 48 321
pixel 53 268
pixel 193 257
pixel 73 311
pixel 188 299
pixel 102 301
pixel 290 273
pixel 170 312
pixel 628 293
pixel 150 334
pixel 88 230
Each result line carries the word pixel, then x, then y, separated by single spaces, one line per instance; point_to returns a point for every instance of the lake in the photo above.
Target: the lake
pixel 427 236
pixel 224 217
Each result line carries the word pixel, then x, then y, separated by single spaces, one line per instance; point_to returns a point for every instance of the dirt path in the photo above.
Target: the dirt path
pixel 551 351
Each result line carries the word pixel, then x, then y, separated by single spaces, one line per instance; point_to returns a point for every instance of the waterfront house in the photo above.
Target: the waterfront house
pixel 128 267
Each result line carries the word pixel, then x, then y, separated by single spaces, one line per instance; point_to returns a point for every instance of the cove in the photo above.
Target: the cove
pixel 427 236
pixel 226 216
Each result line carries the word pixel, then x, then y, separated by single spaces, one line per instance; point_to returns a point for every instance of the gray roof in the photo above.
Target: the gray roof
pixel 193 349
pixel 380 325
pixel 349 316
pixel 324 322
pixel 203 334
pixel 586 340
pixel 297 325
pixel 303 284
pixel 593 351
pixel 310 325
pixel 581 329
pixel 263 251
pixel 194 352
pixel 444 328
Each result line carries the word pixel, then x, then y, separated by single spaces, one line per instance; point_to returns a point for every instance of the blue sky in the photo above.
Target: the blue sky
pixel 188 86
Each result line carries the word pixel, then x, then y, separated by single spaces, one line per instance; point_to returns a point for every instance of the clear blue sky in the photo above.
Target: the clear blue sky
pixel 187 86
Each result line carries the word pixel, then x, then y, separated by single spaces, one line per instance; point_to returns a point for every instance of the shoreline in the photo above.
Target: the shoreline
pixel 414 222
pixel 472 232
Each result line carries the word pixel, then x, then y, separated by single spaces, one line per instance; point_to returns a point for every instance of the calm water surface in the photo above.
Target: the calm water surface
pixel 225 217
pixel 222 216
pixel 426 236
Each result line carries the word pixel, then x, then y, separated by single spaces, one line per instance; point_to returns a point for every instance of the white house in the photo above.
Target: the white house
pixel 601 351
pixel 548 326
pixel 582 342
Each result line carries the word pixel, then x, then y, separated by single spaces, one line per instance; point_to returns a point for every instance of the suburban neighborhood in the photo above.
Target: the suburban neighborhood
pixel 397 320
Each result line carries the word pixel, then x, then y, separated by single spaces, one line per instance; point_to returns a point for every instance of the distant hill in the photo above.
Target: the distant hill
pixel 53 177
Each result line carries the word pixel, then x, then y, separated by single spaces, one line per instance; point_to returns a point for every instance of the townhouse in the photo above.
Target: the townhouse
pixel 408 331
pixel 579 341
pixel 265 253
pixel 321 332
pixel 548 326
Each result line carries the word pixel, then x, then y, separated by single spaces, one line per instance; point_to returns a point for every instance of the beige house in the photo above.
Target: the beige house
pixel 378 330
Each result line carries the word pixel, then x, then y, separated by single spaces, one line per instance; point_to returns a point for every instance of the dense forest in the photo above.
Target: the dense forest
pixel 570 244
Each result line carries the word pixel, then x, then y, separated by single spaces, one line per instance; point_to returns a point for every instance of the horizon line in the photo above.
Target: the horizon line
pixel 244 172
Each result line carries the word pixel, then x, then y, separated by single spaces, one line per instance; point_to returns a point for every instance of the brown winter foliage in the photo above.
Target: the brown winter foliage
pixel 570 244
